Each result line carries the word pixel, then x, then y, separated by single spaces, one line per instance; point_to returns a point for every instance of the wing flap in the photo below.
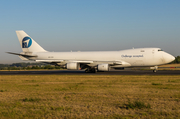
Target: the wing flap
pixel 50 61
pixel 84 62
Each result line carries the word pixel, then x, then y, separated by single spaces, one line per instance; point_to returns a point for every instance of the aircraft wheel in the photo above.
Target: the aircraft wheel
pixel 87 70
pixel 93 70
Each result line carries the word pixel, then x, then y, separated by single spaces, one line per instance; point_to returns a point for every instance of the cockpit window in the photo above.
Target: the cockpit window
pixel 160 50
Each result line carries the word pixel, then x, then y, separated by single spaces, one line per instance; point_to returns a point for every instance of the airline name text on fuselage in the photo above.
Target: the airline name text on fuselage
pixel 130 56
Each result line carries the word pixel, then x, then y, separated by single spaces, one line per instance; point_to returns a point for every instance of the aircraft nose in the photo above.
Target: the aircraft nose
pixel 168 58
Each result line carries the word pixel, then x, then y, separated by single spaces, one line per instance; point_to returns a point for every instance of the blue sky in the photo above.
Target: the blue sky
pixel 90 25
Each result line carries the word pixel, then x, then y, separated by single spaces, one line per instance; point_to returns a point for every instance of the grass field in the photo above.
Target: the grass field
pixel 86 96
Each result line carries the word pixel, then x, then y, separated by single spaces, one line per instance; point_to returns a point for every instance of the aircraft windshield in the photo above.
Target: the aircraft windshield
pixel 160 50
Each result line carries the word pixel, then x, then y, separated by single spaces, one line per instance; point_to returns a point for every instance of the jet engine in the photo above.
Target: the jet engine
pixel 73 66
pixel 103 67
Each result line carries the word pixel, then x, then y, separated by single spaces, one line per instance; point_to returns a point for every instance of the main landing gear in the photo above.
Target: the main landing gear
pixel 91 70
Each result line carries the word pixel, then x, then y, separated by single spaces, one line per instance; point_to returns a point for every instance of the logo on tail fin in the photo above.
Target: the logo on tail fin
pixel 26 42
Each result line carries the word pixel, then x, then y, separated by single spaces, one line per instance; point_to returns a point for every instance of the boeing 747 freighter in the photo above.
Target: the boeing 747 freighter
pixel 92 61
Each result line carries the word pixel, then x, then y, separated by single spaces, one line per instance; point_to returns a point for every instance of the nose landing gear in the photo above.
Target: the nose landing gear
pixel 155 68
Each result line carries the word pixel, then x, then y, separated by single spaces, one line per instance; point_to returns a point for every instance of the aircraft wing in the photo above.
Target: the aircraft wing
pixel 89 63
pixel 83 62
pixel 62 62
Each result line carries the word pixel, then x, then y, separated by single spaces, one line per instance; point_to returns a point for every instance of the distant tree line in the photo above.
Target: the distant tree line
pixel 177 60
pixel 27 66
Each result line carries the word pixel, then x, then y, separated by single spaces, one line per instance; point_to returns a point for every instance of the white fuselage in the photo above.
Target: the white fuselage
pixel 92 61
pixel 135 57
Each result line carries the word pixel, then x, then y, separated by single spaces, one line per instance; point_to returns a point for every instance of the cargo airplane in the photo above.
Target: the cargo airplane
pixel 95 60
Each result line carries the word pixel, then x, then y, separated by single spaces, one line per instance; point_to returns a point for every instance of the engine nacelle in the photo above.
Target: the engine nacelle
pixel 103 67
pixel 73 66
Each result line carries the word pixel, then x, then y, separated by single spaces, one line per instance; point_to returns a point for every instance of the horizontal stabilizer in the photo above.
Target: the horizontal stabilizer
pixel 24 55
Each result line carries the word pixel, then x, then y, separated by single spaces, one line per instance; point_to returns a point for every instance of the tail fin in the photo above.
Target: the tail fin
pixel 27 43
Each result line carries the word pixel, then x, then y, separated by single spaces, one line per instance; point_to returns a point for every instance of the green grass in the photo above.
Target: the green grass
pixel 2 90
pixel 31 99
pixel 156 83
pixel 136 104
pixel 87 96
